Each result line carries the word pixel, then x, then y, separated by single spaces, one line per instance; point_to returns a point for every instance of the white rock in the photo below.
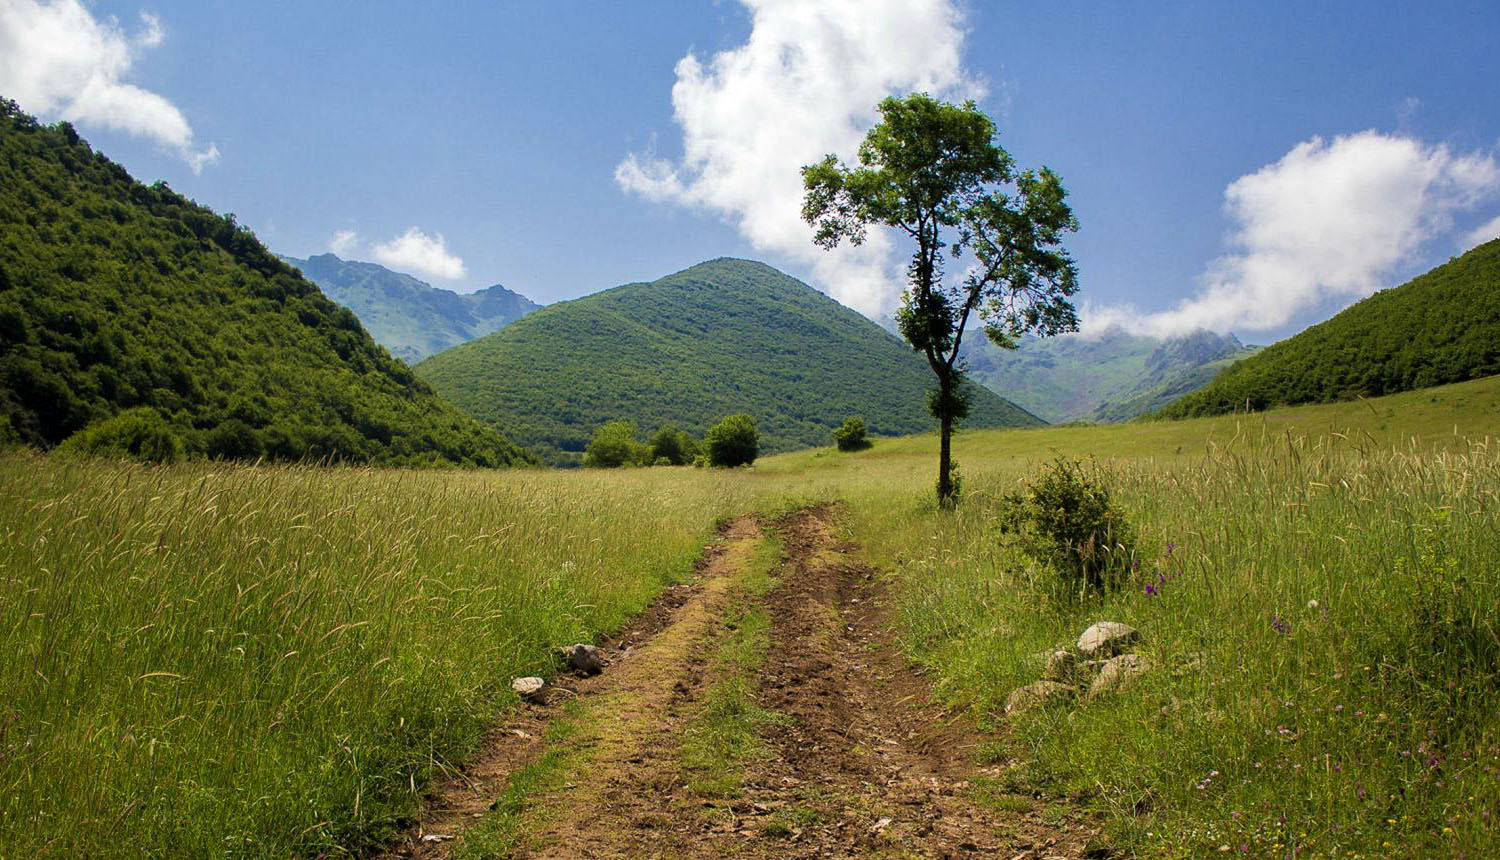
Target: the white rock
pixel 1118 672
pixel 1107 637
pixel 531 689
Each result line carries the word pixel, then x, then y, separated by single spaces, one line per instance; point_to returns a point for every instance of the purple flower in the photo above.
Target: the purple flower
pixel 1280 625
pixel 1150 590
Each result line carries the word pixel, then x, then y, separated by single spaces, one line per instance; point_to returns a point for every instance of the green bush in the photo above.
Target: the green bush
pixel 234 440
pixel 135 434
pixel 733 441
pixel 1066 519
pixel 667 444
pixel 614 445
pixel 853 435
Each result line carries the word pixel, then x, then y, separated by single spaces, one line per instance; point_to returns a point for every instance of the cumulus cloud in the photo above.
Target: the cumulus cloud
pixel 417 253
pixel 58 61
pixel 804 84
pixel 1331 219
pixel 1483 233
pixel 344 242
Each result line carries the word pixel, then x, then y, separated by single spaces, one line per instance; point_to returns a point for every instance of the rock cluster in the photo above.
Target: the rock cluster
pixel 582 658
pixel 1102 663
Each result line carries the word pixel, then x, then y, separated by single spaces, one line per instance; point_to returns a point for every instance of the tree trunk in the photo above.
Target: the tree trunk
pixel 947 493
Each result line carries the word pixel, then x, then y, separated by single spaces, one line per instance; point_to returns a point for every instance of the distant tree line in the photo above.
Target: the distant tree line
pixel 733 441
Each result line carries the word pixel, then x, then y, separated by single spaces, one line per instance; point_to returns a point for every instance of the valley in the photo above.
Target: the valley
pixel 969 528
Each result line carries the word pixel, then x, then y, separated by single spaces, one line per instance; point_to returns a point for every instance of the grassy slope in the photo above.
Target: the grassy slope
pixel 411 318
pixel 1440 327
pixel 172 689
pixel 722 337
pixel 114 295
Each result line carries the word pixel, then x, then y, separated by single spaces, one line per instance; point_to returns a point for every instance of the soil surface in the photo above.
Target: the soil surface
pixel 858 760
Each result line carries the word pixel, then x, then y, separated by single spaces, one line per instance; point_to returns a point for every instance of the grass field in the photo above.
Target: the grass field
pixel 260 661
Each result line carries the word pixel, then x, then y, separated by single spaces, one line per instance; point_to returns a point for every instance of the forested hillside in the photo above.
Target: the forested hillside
pixel 119 298
pixel 1110 376
pixel 1438 328
pixel 407 316
pixel 721 337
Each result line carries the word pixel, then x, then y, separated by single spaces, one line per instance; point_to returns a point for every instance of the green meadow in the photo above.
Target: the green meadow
pixel 271 660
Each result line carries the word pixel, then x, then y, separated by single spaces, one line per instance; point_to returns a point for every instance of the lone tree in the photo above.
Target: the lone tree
pixel 933 170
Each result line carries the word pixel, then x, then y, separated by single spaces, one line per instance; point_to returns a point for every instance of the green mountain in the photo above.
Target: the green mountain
pixel 1437 328
pixel 1113 376
pixel 116 296
pixel 721 337
pixel 409 317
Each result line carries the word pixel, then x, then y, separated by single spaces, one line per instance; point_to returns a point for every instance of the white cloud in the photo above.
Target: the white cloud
pixel 417 253
pixel 58 61
pixel 1483 233
pixel 1331 219
pixel 805 84
pixel 344 242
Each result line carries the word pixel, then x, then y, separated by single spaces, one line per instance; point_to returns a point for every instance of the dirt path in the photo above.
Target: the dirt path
pixel 750 713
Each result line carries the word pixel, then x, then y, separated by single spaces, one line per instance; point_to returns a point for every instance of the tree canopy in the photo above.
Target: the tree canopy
pixel 933 171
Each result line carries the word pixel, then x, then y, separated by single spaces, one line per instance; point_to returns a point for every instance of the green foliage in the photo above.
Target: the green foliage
pixel 933 170
pixel 116 296
pixel 733 441
pixel 614 445
pixel 135 434
pixel 1437 328
pixel 1065 518
pixel 666 445
pixel 852 436
pixel 409 317
pixel 721 337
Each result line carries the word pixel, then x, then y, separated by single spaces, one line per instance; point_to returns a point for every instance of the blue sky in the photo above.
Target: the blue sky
pixel 503 128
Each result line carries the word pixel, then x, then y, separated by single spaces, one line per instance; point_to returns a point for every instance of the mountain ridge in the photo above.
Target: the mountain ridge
pixel 1106 376
pixel 407 315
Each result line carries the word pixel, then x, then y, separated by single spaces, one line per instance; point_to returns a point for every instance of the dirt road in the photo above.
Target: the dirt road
pixel 761 710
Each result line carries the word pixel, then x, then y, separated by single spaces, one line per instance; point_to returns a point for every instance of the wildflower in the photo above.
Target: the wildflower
pixel 1150 590
pixel 1280 625
pixel 1312 604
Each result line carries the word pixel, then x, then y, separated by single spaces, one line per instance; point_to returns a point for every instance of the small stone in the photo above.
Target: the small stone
pixel 1107 638
pixel 531 689
pixel 1118 672
pixel 1033 695
pixel 880 825
pixel 1061 666
pixel 583 659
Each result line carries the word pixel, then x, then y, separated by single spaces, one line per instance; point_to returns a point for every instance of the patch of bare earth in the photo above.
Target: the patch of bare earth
pixel 650 666
pixel 860 761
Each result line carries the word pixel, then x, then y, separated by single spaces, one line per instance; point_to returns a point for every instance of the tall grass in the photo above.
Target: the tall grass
pixel 265 661
pixel 1325 619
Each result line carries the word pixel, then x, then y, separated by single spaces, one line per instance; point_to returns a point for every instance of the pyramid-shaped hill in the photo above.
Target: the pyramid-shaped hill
pixel 722 337
pixel 135 322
